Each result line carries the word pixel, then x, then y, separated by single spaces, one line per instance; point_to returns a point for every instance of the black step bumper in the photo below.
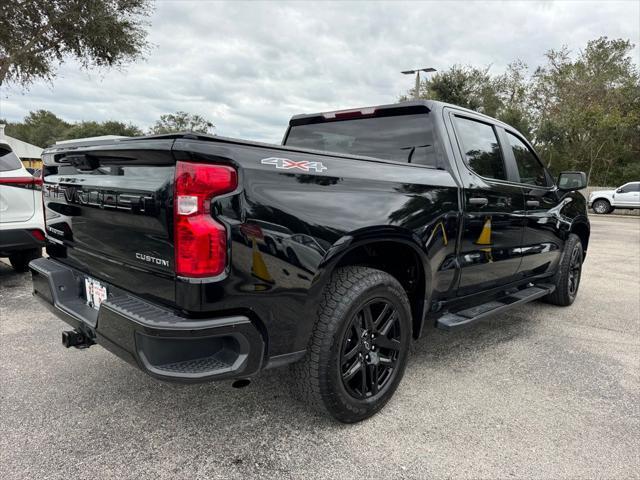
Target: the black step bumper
pixel 155 339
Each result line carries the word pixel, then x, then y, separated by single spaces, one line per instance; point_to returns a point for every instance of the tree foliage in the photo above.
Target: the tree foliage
pixel 37 35
pixel 582 111
pixel 44 128
pixel 181 122
pixel 41 128
pixel 96 129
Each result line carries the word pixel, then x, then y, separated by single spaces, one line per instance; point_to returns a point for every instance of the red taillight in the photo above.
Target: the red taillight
pixel 19 180
pixel 200 241
pixel 38 235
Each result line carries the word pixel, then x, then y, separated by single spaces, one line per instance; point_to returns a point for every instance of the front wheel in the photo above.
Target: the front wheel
pixel 567 278
pixel 601 207
pixel 359 347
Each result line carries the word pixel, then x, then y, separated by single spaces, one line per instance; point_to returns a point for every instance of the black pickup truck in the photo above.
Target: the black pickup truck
pixel 197 257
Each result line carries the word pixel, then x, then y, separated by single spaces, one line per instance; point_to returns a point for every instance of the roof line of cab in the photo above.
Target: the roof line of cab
pixel 410 106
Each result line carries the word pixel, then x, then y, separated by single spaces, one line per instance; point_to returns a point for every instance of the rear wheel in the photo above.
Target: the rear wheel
pixel 601 206
pixel 20 260
pixel 359 346
pixel 567 278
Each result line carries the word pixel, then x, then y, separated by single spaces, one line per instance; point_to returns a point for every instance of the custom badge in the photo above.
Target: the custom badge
pixel 286 164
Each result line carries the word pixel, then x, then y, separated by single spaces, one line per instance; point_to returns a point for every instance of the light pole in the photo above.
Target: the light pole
pixel 417 71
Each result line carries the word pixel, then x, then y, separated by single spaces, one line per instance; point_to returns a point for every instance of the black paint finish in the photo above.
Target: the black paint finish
pixel 289 229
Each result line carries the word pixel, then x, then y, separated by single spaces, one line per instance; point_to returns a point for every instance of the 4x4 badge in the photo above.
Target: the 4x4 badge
pixel 286 164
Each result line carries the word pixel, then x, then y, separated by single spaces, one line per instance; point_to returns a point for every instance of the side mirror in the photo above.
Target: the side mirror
pixel 572 181
pixel 619 190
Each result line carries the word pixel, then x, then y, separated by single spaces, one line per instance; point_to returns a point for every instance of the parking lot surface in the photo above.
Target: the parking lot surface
pixel 539 392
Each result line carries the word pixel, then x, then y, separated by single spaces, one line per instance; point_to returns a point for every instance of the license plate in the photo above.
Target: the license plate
pixel 95 291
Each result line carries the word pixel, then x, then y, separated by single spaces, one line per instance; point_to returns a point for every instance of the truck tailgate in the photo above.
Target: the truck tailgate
pixel 108 212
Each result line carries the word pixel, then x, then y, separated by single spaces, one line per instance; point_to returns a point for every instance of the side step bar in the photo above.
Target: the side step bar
pixel 463 318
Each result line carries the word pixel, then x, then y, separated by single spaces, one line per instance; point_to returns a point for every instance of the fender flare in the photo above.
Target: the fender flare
pixel 366 236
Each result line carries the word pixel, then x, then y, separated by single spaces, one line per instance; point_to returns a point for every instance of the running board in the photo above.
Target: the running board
pixel 453 321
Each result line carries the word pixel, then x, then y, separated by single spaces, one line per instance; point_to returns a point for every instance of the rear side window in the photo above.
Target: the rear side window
pixel 530 169
pixel 402 138
pixel 481 148
pixel 8 159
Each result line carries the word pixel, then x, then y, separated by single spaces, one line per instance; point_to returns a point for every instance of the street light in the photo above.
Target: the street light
pixel 417 72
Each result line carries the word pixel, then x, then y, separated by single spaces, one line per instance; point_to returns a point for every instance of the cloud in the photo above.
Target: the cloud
pixel 250 66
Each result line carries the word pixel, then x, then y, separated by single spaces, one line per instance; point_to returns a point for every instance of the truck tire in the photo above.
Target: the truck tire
pixel 567 278
pixel 358 350
pixel 601 206
pixel 20 260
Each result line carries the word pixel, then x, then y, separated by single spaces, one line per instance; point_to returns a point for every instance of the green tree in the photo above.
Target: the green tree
pixel 581 111
pixel 41 128
pixel 501 96
pixel 181 122
pixel 465 86
pixel 37 35
pixel 95 129
pixel 588 110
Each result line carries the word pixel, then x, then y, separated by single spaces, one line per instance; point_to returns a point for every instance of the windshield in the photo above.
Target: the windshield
pixel 402 138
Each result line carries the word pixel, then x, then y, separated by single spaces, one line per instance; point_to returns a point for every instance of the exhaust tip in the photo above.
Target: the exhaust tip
pixel 241 383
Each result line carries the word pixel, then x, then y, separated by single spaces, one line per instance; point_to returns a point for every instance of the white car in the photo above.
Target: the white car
pixel 21 219
pixel 605 201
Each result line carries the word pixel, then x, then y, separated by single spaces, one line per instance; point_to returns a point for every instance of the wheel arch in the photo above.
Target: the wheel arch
pixel 582 229
pixel 395 251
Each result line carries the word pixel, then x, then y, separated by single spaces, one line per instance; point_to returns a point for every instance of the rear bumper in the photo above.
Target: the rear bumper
pixel 18 239
pixel 161 343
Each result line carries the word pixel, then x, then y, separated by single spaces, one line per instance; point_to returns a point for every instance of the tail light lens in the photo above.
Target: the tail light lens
pixel 17 181
pixel 200 241
pixel 38 235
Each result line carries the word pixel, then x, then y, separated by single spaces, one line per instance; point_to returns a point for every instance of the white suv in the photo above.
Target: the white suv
pixel 605 201
pixel 21 219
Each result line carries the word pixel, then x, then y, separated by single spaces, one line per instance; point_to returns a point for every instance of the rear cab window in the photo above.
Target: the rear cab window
pixel 401 138
pixel 8 160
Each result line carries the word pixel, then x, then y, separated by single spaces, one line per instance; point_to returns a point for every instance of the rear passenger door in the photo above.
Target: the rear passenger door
pixel 542 241
pixel 492 229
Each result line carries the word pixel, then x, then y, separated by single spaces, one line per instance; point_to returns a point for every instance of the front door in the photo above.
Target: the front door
pixel 489 254
pixel 542 239
pixel 627 196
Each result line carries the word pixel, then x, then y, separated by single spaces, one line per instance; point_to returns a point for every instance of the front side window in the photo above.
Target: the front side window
pixel 481 148
pixel 530 169
pixel 630 187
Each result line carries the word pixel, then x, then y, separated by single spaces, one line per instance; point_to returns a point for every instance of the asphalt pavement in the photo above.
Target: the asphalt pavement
pixel 539 392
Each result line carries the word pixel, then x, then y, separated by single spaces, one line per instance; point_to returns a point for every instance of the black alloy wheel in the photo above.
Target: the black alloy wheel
pixel 575 270
pixel 359 347
pixel 370 349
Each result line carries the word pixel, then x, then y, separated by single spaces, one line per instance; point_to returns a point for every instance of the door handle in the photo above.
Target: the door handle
pixel 480 201
pixel 533 203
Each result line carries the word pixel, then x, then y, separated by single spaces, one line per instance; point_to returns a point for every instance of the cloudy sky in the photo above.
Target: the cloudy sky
pixel 249 66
